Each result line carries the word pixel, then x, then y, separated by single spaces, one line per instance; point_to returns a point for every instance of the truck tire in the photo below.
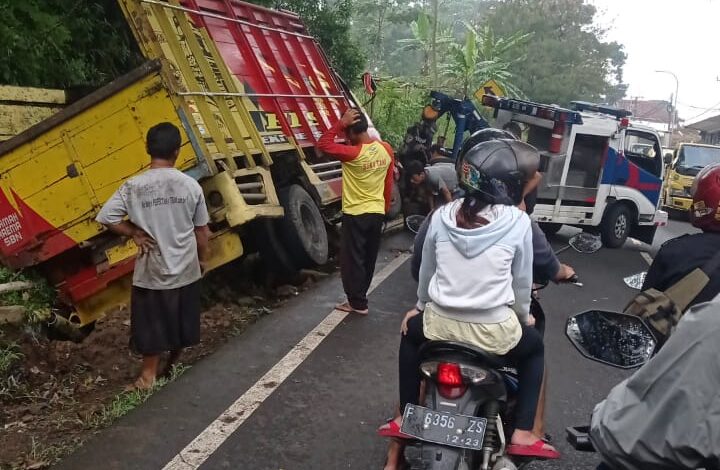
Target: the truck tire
pixel 272 249
pixel 615 226
pixel 303 228
pixel 395 203
pixel 549 228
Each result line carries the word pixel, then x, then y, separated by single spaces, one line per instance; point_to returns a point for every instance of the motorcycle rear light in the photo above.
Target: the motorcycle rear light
pixel 449 374
pixel 451 392
pixel 468 374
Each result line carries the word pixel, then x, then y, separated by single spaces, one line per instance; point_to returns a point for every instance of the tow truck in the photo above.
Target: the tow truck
pixel 602 172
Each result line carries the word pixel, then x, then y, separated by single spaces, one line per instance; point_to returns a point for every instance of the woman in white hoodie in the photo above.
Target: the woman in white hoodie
pixel 475 281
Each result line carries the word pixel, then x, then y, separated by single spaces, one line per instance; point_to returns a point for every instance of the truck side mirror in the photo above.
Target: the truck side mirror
pixel 668 158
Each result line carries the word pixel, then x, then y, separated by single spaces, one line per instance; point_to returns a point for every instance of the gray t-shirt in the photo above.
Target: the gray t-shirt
pixel 439 176
pixel 168 205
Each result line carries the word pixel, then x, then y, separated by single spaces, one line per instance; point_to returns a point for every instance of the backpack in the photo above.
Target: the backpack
pixel 662 310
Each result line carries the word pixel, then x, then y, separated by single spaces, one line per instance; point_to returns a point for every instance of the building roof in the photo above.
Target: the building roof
pixel 647 110
pixel 710 124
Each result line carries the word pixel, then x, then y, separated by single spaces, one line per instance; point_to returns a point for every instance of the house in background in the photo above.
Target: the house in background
pixel 709 129
pixel 651 113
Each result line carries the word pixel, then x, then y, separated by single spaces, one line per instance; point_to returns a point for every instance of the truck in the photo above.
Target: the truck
pixel 251 91
pixel 682 167
pixel 23 107
pixel 601 171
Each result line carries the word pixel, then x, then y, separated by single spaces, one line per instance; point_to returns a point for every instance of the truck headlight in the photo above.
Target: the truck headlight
pixel 678 192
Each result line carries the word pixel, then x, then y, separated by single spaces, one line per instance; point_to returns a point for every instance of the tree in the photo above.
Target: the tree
pixel 567 58
pixel 64 43
pixel 425 40
pixel 484 56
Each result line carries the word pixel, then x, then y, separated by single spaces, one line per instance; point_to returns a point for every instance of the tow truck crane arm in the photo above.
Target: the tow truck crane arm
pixel 463 112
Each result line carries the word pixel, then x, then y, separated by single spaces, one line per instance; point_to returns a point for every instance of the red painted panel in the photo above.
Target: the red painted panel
pixel 255 44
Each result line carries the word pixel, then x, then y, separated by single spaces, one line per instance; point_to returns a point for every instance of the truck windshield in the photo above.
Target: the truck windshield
pixel 692 158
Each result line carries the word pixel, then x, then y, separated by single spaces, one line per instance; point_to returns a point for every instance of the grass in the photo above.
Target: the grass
pixel 126 401
pixel 37 300
pixel 9 355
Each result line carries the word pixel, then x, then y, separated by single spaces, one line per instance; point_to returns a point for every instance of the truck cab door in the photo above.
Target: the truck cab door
pixel 642 167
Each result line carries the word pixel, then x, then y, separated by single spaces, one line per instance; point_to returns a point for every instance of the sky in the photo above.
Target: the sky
pixel 681 36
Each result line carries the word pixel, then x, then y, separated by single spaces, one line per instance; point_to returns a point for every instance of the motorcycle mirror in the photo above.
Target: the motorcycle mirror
pixel 413 222
pixel 585 242
pixel 636 281
pixel 612 338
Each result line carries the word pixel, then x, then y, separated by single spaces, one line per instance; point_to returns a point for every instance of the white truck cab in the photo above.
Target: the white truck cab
pixel 600 170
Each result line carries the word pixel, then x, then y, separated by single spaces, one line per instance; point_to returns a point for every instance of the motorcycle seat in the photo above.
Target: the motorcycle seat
pixel 461 351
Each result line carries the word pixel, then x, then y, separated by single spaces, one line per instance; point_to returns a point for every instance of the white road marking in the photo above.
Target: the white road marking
pixel 646 256
pixel 210 439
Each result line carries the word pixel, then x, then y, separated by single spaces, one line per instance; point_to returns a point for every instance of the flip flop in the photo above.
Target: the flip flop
pixel 345 307
pixel 392 430
pixel 536 450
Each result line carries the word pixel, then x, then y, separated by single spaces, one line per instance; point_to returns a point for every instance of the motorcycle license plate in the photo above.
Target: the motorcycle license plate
pixel 444 428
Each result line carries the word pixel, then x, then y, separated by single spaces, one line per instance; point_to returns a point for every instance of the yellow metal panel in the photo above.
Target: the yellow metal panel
pixel 224 247
pixel 32 95
pixel 105 136
pixel 39 171
pixel 62 203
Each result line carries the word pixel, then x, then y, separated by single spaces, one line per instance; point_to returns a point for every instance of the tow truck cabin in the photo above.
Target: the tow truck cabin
pixel 601 172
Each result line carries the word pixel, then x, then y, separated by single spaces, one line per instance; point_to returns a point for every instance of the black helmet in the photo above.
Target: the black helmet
pixel 483 135
pixel 498 169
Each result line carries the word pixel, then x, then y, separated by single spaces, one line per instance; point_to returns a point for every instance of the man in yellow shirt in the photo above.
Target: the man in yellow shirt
pixel 367 166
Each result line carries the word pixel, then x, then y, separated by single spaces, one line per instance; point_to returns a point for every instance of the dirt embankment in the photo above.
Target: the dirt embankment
pixel 54 395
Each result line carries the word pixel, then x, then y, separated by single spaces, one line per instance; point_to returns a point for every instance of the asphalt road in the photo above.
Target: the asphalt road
pixel 323 413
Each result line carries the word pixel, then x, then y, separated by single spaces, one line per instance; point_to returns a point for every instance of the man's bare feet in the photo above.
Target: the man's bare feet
pixel 141 383
pixel 346 307
pixel 395 459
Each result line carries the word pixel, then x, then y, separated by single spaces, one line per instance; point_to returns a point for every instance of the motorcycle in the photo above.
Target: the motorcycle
pixel 615 339
pixel 464 422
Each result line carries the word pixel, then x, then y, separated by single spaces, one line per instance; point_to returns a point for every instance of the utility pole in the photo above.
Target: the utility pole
pixel 673 116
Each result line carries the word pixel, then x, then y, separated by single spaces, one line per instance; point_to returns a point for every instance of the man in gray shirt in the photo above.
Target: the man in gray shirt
pixel 439 180
pixel 163 210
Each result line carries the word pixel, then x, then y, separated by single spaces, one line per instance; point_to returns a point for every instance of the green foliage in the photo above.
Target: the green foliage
pixel 64 43
pixel 397 105
pixel 567 58
pixel 482 57
pixel 9 355
pixel 125 402
pixel 37 300
pixel 422 41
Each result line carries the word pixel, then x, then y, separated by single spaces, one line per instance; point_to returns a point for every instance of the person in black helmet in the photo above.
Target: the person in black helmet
pixel 475 282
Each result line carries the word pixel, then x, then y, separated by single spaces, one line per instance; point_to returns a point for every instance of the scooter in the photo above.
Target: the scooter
pixel 465 422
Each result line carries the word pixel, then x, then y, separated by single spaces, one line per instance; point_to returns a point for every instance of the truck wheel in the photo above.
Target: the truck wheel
pixel 395 203
pixel 272 249
pixel 303 227
pixel 549 228
pixel 615 226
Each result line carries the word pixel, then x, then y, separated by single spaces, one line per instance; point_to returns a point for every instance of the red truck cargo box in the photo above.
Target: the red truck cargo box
pixel 282 68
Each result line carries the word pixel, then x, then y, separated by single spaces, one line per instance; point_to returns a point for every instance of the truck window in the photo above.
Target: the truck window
pixel 586 162
pixel 643 150
pixel 693 158
pixel 539 137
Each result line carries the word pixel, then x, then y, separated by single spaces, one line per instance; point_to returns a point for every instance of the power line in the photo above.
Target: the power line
pixel 707 110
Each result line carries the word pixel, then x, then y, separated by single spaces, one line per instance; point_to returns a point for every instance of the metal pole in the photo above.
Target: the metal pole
pixel 673 117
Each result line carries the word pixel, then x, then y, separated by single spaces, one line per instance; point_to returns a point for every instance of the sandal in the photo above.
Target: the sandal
pixel 392 429
pixel 345 307
pixel 537 450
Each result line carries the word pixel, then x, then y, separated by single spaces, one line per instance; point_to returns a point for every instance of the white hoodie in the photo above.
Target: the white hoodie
pixel 472 275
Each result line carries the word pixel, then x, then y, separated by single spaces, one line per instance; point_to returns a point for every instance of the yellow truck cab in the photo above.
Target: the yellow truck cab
pixel 682 168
